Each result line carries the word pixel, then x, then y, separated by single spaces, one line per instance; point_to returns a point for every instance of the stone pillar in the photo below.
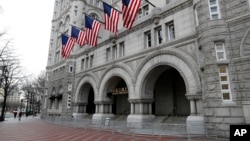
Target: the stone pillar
pixel 195 122
pixel 141 111
pixel 132 109
pixel 79 110
pixel 103 111
pixel 192 107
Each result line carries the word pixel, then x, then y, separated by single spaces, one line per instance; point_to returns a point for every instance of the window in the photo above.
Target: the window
pixel 167 1
pixel 94 16
pixel 220 51
pixel 170 31
pixel 108 53
pixel 139 14
pixel 91 61
pixel 69 101
pixel 98 3
pixel 224 83
pixel 57 56
pixel 121 49
pixel 87 63
pixel 70 68
pixel 114 52
pixel 214 9
pixel 148 40
pixel 82 64
pixel 143 11
pixel 158 32
pixel 111 1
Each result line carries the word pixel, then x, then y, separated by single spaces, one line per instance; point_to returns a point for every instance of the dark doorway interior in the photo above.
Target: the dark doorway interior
pixel 91 105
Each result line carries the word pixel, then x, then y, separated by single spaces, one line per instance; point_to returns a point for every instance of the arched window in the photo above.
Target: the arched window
pixel 94 16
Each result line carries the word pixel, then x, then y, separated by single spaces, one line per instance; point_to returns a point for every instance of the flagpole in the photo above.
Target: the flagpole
pixel 150 3
pixel 113 7
pixel 94 19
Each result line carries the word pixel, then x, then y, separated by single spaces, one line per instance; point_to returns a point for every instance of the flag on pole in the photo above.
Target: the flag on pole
pixel 111 17
pixel 67 45
pixel 130 9
pixel 79 36
pixel 92 28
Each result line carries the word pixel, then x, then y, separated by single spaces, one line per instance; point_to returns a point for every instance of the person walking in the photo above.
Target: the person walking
pixel 15 113
pixel 20 115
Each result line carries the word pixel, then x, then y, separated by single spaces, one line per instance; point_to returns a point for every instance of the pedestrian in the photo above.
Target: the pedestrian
pixel 15 113
pixel 20 115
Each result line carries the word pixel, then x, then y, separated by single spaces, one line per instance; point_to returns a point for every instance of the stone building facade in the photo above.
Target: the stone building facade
pixel 188 58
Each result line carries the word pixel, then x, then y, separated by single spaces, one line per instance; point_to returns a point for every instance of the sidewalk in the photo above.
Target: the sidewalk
pixel 30 129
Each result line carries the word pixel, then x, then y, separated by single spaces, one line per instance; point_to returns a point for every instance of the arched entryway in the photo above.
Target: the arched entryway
pixel 168 92
pixel 117 91
pixel 86 99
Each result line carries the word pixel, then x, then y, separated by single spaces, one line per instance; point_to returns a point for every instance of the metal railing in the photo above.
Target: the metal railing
pixel 135 129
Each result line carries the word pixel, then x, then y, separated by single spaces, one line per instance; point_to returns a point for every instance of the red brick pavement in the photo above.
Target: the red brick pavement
pixel 35 129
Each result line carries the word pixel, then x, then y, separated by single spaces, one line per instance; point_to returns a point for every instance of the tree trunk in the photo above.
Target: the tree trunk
pixel 2 117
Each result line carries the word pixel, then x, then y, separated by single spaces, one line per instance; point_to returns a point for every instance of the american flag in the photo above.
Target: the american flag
pixel 79 36
pixel 92 28
pixel 130 9
pixel 111 17
pixel 67 45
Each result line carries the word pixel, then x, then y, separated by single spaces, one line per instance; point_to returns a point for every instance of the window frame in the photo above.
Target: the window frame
pixel 171 35
pixel 158 41
pixel 211 13
pixel 121 49
pixel 217 51
pixel 148 42
pixel 226 82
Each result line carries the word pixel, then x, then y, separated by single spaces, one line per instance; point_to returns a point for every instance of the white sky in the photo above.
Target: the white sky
pixel 29 24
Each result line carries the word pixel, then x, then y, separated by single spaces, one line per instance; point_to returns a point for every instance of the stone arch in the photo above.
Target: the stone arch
pixel 245 44
pixel 90 79
pixel 119 71
pixel 175 58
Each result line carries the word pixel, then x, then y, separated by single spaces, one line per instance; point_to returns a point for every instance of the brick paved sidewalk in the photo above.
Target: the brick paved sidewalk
pixel 35 129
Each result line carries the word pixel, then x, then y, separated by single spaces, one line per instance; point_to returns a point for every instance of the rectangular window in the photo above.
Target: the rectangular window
pixel 148 40
pixel 91 61
pixel 214 9
pixel 158 32
pixel 114 52
pixel 82 64
pixel 111 1
pixel 98 4
pixel 140 13
pixel 220 51
pixel 108 54
pixel 224 83
pixel 69 101
pixel 145 10
pixel 57 56
pixel 71 68
pixel 170 31
pixel 87 63
pixel 121 49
